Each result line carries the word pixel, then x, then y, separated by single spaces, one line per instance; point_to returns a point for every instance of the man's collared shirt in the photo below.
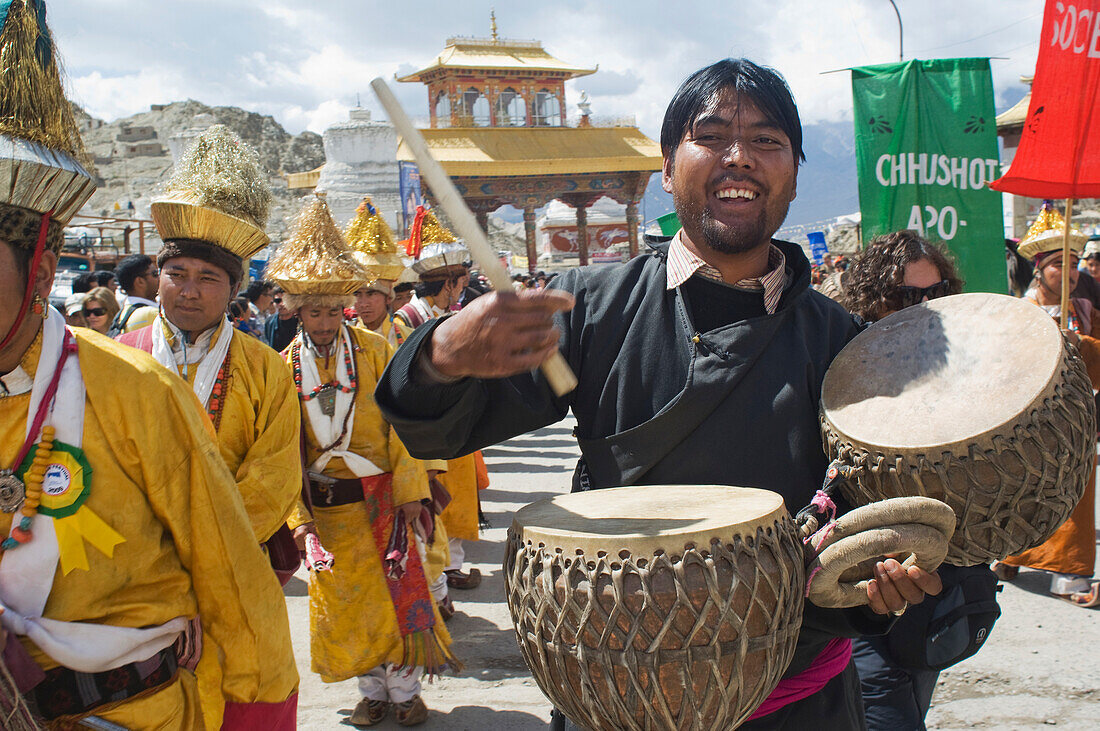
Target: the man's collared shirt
pixel 682 264
pixel 131 299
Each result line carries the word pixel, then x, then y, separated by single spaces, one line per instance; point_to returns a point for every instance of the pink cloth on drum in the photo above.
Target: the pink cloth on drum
pixel 826 666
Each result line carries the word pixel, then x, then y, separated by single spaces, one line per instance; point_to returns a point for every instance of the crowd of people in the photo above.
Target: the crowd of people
pixel 172 455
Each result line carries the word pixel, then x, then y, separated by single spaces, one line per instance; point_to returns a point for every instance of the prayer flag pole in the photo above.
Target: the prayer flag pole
pixel 1065 265
pixel 556 369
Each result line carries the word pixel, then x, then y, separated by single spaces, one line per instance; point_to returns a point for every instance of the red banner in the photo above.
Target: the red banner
pixel 1059 152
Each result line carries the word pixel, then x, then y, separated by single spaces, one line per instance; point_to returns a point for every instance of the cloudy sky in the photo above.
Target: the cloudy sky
pixel 305 63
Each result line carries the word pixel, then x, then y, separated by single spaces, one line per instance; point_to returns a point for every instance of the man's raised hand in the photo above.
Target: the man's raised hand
pixel 499 334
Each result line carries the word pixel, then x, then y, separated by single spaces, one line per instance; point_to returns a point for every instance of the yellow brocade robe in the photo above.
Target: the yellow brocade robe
pixel 258 436
pixel 460 517
pixel 438 553
pixel 353 625
pixel 159 481
pixel 259 431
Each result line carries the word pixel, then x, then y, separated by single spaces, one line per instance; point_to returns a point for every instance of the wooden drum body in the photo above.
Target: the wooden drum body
pixel 656 607
pixel 975 400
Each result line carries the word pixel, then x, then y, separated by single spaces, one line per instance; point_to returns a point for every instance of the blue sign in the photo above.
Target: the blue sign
pixel 408 185
pixel 817 246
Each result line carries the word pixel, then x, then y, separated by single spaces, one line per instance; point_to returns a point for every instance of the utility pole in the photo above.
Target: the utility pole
pixel 901 54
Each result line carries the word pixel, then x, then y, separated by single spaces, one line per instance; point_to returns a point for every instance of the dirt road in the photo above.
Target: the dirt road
pixel 1040 667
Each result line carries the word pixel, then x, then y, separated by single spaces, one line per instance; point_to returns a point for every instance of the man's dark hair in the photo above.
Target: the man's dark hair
pixel 403 287
pixel 257 288
pixel 238 307
pixel 131 267
pixel 430 289
pixel 761 85
pixel 103 277
pixel 84 282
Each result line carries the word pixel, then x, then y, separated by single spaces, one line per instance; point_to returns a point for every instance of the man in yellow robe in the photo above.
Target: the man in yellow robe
pixel 158 483
pixel 242 383
pixel 372 244
pixel 371 306
pixel 368 620
pixel 123 526
pixel 441 269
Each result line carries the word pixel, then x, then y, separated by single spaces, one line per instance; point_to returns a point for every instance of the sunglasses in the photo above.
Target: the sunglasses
pixel 908 296
pixel 95 312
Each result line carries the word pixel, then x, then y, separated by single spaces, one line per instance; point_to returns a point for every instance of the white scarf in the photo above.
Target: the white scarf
pixel 209 362
pixel 427 312
pixel 326 429
pixel 27 572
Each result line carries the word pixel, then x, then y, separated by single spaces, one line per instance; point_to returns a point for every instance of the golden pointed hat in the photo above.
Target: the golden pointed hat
pixel 1047 233
pixel 218 193
pixel 315 259
pixel 40 147
pixel 436 249
pixel 371 239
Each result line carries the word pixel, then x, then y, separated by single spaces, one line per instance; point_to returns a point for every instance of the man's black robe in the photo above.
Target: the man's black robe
pixel 660 403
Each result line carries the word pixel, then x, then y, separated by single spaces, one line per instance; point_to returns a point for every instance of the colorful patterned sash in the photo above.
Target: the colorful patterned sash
pixel 412 602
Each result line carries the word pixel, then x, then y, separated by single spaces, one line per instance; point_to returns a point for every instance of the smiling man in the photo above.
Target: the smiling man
pixel 699 363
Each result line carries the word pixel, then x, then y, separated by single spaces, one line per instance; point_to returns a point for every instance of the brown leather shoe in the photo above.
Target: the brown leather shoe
pixel 411 713
pixel 446 608
pixel 457 579
pixel 369 713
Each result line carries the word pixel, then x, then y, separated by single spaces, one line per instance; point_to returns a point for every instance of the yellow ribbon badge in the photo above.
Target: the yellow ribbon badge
pixel 65 489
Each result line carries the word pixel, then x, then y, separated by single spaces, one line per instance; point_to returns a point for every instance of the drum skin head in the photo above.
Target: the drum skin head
pixel 942 372
pixel 648 519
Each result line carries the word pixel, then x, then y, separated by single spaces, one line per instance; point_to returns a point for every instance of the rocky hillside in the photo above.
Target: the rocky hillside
pixel 133 156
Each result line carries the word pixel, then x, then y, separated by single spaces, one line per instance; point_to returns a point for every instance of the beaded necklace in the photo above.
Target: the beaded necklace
pixel 217 394
pixel 296 364
pixel 36 475
pixel 353 388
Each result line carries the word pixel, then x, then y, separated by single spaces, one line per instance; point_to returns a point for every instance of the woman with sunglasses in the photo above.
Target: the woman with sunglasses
pixel 100 309
pixel 896 271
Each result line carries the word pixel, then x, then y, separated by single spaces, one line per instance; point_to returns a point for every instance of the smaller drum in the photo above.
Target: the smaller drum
pixel 975 400
pixel 656 607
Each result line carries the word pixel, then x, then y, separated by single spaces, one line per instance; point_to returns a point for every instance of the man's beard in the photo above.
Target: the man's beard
pixel 728 239
pixel 724 238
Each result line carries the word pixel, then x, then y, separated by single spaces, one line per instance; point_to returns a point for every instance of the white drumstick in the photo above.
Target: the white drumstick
pixel 557 371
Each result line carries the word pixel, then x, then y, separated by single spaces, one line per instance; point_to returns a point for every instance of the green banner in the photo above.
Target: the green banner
pixel 926 145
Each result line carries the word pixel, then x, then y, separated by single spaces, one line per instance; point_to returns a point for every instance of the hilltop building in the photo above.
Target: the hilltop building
pixel 498 126
pixel 499 129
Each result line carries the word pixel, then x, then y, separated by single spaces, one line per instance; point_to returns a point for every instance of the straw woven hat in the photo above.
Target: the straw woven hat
pixel 1047 234
pixel 41 153
pixel 218 193
pixel 316 260
pixel 371 239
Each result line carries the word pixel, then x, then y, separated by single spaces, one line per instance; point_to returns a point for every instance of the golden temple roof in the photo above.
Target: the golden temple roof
pixel 481 54
pixel 499 151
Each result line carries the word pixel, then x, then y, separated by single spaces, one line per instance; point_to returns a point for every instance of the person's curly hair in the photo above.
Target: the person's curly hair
pixel 871 286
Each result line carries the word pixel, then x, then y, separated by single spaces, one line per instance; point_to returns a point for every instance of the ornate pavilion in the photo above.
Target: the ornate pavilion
pixel 499 128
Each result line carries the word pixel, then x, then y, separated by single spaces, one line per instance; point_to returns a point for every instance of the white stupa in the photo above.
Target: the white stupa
pixel 360 159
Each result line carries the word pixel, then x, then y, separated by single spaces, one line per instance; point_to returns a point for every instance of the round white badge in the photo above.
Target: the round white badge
pixel 57 480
